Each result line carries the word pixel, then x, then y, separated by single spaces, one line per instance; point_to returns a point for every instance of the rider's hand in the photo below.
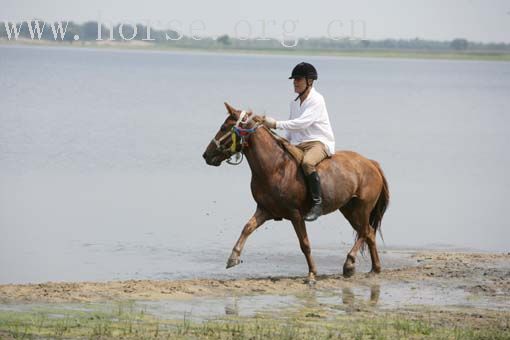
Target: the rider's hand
pixel 269 122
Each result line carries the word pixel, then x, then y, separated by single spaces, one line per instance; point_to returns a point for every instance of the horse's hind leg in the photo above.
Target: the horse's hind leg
pixel 304 243
pixel 349 265
pixel 255 221
pixel 372 246
pixel 358 215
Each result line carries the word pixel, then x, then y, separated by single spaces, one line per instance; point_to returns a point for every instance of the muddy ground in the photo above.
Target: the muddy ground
pixel 436 294
pixel 482 274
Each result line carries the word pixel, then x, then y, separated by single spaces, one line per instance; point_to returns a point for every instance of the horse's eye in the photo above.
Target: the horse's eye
pixel 223 128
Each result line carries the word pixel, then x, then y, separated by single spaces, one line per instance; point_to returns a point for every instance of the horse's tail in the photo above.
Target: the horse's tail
pixel 382 202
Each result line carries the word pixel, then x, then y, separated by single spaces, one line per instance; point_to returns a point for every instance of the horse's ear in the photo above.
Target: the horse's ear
pixel 230 109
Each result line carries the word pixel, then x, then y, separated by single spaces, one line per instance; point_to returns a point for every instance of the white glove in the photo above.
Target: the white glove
pixel 269 122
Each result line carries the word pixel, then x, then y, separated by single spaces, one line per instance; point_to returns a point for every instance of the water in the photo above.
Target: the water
pixel 346 300
pixel 101 173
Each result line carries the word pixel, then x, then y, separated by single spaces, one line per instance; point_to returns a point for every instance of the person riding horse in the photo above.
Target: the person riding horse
pixel 309 128
pixel 354 185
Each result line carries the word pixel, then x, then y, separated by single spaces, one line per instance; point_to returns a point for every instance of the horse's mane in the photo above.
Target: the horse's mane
pixel 281 141
pixel 256 119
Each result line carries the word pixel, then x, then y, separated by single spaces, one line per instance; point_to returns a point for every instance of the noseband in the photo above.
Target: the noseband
pixel 236 132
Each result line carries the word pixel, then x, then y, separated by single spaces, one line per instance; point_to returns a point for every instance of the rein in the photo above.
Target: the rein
pixel 236 132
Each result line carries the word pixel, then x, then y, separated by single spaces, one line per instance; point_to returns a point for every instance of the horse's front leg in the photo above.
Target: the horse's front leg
pixel 255 221
pixel 304 243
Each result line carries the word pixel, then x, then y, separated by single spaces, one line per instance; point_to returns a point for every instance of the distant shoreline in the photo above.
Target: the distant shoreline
pixel 385 54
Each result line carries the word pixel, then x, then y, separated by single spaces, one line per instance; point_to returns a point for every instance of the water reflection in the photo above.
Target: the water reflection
pixel 311 298
pixel 349 298
pixel 375 293
pixel 232 307
pixel 346 300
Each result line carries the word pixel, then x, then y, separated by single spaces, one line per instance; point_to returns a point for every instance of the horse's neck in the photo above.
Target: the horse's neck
pixel 264 153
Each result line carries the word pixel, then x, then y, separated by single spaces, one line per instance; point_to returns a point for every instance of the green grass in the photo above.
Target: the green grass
pixel 126 322
pixel 368 53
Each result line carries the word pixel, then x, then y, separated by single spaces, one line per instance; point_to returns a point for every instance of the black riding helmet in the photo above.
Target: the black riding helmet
pixel 304 70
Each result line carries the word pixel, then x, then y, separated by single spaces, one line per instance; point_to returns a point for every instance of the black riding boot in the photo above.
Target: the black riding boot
pixel 314 186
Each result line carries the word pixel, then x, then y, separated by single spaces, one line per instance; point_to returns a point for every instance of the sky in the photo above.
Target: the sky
pixel 476 20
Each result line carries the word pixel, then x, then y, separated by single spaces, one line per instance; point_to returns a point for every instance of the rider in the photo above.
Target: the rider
pixel 309 128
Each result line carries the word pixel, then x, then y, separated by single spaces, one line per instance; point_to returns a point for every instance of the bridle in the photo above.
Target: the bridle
pixel 236 132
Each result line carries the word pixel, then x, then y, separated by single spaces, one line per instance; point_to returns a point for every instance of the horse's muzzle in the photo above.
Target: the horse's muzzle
pixel 214 161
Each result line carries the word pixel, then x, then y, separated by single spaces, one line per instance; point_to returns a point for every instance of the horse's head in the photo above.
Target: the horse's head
pixel 225 143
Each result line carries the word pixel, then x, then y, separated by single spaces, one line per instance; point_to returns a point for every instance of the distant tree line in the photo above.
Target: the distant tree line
pixel 89 31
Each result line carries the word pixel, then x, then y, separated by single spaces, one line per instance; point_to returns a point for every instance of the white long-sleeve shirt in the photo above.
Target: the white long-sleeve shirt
pixel 309 121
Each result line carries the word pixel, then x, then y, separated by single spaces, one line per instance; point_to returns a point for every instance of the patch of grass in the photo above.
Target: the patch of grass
pixel 126 322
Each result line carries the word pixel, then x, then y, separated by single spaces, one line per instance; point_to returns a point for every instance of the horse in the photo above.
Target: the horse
pixel 352 184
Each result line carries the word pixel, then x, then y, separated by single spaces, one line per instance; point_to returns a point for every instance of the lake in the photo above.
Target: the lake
pixel 102 178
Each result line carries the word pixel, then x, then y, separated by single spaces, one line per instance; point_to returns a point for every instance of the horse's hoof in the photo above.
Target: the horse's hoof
pixel 233 261
pixel 310 280
pixel 375 271
pixel 349 271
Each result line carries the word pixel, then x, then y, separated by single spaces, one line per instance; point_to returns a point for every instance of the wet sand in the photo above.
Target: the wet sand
pixel 436 294
pixel 486 275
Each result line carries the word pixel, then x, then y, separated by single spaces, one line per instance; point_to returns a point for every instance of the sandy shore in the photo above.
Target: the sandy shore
pixel 481 274
pixel 446 295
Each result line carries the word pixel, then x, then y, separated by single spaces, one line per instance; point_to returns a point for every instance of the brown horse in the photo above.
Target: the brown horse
pixel 350 183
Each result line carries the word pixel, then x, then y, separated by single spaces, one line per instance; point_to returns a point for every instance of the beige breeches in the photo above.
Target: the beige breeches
pixel 313 153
